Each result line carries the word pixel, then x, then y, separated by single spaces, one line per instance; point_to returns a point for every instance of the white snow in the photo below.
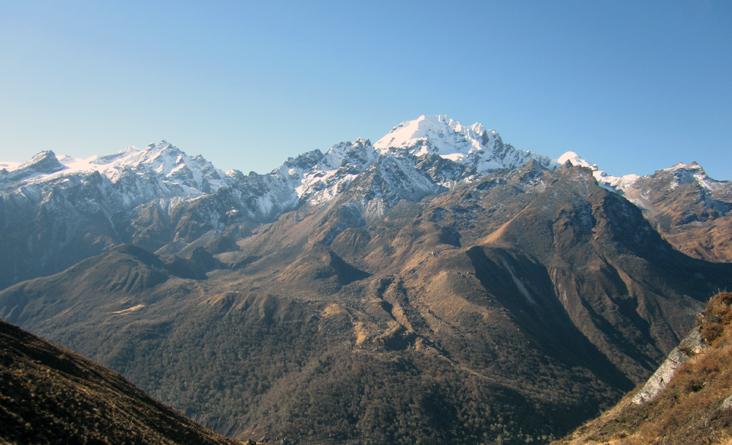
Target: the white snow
pixel 162 171
pixel 575 160
pixel 9 166
pixel 435 134
pixel 473 145
pixel 338 167
pixel 161 158
pixel 621 183
pixel 695 171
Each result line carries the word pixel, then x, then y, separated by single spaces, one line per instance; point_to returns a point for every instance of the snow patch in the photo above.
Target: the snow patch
pixel 615 183
pixel 9 166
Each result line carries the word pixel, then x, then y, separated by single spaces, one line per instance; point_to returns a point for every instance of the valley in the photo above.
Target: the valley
pixel 437 285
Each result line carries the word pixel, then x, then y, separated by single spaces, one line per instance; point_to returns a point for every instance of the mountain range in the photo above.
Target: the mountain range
pixel 438 284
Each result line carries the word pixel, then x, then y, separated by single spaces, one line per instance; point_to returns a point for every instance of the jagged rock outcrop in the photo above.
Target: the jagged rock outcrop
pixel 690 346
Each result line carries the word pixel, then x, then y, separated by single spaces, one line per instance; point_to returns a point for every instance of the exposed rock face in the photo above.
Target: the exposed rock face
pixel 680 404
pixel 727 404
pixel 689 346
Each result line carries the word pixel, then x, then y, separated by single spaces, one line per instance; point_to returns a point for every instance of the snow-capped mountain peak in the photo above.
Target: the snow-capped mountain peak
pixel 171 165
pixel 43 164
pixel 317 177
pixel 575 160
pixel 434 134
pixel 345 153
pixel 620 183
pixel 472 146
pixel 688 173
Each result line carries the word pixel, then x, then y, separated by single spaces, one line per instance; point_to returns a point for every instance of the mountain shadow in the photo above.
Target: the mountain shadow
pixel 49 394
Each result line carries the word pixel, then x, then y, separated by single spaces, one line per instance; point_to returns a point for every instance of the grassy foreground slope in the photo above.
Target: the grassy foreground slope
pixel 694 408
pixel 50 395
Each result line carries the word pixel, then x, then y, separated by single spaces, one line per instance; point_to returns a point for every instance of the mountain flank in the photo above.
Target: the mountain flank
pixel 50 395
pixel 691 210
pixel 506 309
pixel 693 405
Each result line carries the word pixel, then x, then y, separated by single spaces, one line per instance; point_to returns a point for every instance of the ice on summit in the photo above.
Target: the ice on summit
pixel 472 145
pixel 435 134
pixel 193 173
pixel 619 183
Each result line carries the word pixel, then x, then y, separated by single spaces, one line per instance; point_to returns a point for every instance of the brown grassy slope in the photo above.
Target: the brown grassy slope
pixel 50 395
pixel 689 410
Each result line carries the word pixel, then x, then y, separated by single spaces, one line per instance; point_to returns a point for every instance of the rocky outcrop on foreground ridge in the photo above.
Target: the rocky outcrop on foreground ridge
pixel 689 404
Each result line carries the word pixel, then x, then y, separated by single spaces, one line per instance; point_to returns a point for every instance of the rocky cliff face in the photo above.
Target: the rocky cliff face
pixel 690 346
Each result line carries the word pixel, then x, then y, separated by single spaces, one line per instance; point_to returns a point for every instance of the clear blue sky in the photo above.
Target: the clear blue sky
pixel 633 86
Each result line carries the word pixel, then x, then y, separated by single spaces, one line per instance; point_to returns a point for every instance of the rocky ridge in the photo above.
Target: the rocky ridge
pixel 690 209
pixel 160 196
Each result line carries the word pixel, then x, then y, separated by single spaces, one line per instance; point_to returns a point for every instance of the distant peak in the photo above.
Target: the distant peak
pixel 608 181
pixel 43 162
pixel 162 145
pixel 693 172
pixel 694 166
pixel 575 160
pixel 445 135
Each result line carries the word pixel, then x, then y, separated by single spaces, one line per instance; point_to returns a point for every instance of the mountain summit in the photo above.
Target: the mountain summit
pixel 474 146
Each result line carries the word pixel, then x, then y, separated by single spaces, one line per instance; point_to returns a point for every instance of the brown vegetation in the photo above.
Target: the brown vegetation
pixel 691 409
pixel 50 395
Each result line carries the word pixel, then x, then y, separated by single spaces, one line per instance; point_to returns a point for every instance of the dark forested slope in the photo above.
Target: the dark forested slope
pixel 50 395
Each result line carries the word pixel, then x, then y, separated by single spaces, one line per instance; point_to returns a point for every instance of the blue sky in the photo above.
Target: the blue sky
pixel 633 86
